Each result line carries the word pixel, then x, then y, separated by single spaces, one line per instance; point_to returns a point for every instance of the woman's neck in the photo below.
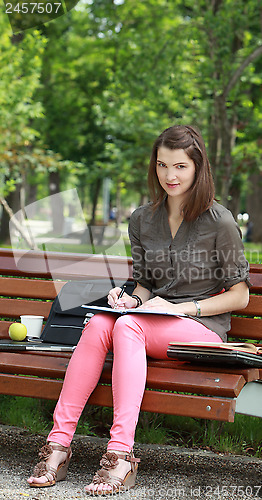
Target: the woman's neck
pixel 173 206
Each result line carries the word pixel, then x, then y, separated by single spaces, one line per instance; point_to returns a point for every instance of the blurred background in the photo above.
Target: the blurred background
pixel 83 97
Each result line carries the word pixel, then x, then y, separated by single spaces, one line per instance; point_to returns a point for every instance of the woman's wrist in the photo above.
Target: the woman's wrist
pixel 189 308
pixel 138 300
pixel 198 308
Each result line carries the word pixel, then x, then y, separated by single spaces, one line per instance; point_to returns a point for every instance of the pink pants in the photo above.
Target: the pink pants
pixel 130 337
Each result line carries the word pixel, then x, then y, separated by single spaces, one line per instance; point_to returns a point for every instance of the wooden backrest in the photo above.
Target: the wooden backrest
pixel 54 269
pixel 247 323
pixel 21 293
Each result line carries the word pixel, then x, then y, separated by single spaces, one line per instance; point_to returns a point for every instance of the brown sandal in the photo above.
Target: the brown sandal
pixel 108 462
pixel 43 469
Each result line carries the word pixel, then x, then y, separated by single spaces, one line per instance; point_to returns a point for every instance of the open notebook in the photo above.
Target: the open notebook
pixel 134 310
pixel 234 354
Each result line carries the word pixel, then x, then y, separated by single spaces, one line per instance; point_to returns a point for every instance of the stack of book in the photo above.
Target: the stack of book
pixel 234 354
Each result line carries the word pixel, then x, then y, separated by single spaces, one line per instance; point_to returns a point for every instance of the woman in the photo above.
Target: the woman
pixel 187 258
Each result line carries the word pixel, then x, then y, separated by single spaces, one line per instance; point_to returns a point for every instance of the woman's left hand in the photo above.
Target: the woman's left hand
pixel 161 305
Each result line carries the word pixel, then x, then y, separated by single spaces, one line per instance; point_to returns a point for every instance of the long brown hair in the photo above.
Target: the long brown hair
pixel 201 194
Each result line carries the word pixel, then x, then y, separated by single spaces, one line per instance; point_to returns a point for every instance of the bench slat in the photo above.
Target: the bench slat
pixel 249 374
pixel 63 266
pixel 246 328
pixel 13 308
pixel 256 280
pixel 35 263
pixel 189 406
pixel 160 402
pixel 32 364
pixel 254 308
pixel 34 289
pixel 175 379
pixel 4 327
pixel 228 385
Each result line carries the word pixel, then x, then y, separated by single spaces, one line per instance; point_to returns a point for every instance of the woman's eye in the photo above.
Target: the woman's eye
pixel 161 164
pixel 181 166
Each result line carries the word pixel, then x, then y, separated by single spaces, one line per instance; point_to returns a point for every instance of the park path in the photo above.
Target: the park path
pixel 165 472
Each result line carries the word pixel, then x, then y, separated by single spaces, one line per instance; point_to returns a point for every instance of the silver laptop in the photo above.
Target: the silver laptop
pixel 33 345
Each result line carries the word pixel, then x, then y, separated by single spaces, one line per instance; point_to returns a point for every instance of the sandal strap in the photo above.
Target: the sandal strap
pixel 58 447
pixel 110 460
pixel 47 450
pixel 43 469
pixel 129 458
pixel 102 476
pixel 51 474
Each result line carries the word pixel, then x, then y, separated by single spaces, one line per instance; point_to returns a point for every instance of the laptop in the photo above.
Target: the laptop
pixel 33 345
pixel 223 357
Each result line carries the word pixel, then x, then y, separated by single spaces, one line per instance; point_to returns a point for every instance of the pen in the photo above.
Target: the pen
pixel 121 294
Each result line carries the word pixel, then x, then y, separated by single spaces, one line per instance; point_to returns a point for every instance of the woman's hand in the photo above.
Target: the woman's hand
pixel 126 301
pixel 161 305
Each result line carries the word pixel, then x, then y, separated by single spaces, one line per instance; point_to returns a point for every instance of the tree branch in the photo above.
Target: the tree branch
pixel 235 77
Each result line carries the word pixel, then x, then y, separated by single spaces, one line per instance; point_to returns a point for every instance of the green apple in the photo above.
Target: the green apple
pixel 17 331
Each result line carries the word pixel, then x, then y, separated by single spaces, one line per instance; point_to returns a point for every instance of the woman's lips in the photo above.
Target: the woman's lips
pixel 171 185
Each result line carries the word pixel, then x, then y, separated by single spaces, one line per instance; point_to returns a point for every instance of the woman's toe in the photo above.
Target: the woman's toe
pixel 90 487
pixel 37 480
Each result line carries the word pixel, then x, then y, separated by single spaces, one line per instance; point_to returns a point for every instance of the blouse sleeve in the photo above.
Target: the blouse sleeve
pixel 230 252
pixel 141 275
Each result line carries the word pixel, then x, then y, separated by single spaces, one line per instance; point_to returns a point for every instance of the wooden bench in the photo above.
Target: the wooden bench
pixel 172 387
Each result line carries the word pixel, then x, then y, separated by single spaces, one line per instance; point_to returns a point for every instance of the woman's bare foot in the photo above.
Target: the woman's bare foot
pixel 55 459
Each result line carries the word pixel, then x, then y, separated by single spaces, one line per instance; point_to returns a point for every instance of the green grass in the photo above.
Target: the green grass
pixel 31 414
pixel 244 436
pixel 253 252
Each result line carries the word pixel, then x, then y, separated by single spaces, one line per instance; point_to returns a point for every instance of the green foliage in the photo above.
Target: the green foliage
pixel 21 65
pixel 97 85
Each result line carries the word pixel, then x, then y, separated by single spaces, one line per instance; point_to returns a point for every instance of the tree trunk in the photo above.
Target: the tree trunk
pixel 18 225
pixel 234 202
pixel 254 207
pixel 118 204
pixel 57 203
pixel 226 132
pixel 95 190
pixel 214 142
pixel 13 201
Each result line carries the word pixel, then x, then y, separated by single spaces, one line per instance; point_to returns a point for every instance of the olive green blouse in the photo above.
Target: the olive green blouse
pixel 204 258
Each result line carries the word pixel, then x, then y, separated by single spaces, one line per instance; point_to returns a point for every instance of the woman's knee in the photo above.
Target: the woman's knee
pixel 127 325
pixel 100 321
pixel 99 328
